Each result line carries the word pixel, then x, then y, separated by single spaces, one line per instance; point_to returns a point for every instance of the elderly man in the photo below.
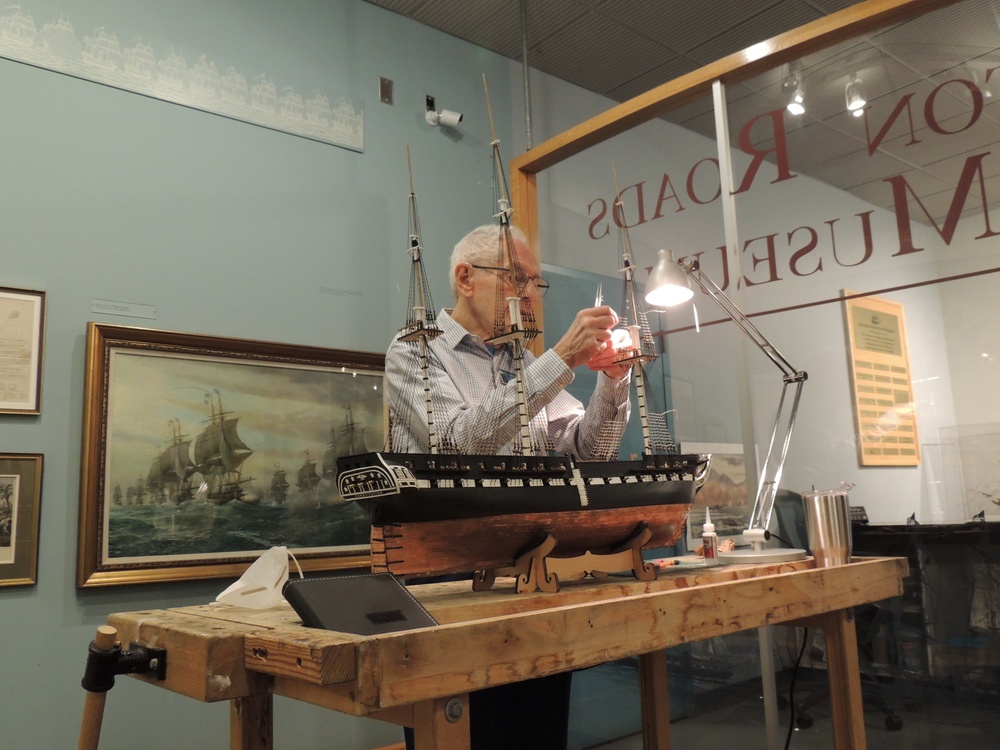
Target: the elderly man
pixel 474 395
pixel 475 410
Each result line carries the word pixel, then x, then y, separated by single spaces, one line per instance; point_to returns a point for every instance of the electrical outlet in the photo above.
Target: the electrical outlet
pixel 385 90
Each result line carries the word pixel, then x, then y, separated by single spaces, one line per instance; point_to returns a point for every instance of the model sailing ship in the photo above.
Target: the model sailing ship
pixel 526 513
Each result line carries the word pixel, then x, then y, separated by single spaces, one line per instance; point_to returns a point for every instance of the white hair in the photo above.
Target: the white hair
pixel 480 247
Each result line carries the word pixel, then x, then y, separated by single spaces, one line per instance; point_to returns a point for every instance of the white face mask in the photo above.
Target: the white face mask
pixel 260 586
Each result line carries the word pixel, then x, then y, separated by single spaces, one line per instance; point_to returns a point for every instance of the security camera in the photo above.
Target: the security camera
pixel 450 119
pixel 445 117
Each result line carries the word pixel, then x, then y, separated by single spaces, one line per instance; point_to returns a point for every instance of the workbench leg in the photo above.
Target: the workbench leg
pixel 251 723
pixel 765 643
pixel 654 696
pixel 442 723
pixel 93 717
pixel 844 675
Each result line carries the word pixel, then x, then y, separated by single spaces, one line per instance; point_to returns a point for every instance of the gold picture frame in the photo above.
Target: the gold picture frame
pixel 22 342
pixel 20 505
pixel 201 452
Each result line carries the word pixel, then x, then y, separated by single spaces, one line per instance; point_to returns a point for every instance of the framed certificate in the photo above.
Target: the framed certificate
pixel 22 333
pixel 884 410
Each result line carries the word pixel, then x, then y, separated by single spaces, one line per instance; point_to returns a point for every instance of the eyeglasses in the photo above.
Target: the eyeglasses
pixel 520 282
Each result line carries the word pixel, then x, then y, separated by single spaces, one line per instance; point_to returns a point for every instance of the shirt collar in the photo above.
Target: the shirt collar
pixel 455 335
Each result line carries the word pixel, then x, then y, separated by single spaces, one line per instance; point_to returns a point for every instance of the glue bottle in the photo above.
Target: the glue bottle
pixel 709 540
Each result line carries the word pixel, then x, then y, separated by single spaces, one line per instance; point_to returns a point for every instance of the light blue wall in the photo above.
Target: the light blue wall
pixel 227 229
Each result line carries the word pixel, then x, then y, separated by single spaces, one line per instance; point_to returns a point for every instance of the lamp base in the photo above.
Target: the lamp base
pixel 750 556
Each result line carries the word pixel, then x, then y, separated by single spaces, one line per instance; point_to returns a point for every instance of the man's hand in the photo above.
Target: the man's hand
pixel 606 360
pixel 588 335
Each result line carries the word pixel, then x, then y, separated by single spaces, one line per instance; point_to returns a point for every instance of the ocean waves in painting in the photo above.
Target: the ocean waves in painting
pixel 206 529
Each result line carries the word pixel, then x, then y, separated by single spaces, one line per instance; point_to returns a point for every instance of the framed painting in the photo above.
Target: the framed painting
pixel 22 337
pixel 20 502
pixel 201 452
pixel 724 492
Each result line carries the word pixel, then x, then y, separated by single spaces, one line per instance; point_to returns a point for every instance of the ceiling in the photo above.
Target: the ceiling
pixel 622 48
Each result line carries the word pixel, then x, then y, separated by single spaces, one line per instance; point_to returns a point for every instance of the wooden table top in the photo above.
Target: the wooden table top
pixel 219 652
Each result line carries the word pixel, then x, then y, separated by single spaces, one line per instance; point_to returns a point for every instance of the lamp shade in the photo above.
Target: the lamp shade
pixel 668 284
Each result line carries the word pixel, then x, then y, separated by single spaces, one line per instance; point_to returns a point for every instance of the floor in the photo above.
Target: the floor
pixel 932 718
pixel 605 715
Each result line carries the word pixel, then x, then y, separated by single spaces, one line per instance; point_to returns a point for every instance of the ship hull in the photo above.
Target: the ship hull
pixel 436 514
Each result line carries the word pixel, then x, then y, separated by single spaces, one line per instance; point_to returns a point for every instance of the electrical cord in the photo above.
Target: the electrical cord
pixel 769 534
pixel 791 688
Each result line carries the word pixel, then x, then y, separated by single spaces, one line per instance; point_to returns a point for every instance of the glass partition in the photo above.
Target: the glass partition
pixel 882 187
pixel 864 224
pixel 667 183
pixel 865 247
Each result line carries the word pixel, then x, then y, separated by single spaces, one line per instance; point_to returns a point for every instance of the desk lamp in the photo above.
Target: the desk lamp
pixel 668 285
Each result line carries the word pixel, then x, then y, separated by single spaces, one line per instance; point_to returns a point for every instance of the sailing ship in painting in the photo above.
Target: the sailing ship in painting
pixel 136 493
pixel 169 477
pixel 405 490
pixel 348 440
pixel 307 479
pixel 198 494
pixel 219 454
pixel 210 467
pixel 279 486
pixel 219 472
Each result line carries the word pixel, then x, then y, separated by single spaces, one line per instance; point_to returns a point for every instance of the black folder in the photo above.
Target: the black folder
pixel 360 604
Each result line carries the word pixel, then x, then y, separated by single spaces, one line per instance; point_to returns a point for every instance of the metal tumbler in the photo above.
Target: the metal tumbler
pixel 828 526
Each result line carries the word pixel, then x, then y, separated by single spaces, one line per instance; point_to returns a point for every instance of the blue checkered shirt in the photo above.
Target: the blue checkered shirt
pixel 475 403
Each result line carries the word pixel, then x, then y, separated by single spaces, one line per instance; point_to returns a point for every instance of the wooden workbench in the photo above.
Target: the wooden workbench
pixel 422 678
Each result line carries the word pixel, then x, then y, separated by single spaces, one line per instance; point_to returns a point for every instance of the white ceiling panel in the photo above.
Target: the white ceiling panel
pixel 623 48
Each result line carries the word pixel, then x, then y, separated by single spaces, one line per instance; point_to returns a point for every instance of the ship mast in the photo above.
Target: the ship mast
pixel 521 323
pixel 421 321
pixel 640 349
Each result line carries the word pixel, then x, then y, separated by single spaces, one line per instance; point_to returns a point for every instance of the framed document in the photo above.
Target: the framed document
pixel 884 410
pixel 22 333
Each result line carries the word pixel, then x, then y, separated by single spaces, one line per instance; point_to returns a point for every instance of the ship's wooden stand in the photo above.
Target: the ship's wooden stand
pixel 539 570
pixel 539 549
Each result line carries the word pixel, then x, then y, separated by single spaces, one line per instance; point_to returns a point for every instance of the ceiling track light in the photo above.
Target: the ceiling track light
pixel 794 90
pixel 854 94
pixel 982 85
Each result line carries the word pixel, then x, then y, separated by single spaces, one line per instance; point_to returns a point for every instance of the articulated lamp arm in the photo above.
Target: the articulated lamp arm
pixel 784 422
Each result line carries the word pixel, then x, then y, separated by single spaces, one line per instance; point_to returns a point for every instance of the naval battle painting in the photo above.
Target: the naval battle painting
pixel 201 452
